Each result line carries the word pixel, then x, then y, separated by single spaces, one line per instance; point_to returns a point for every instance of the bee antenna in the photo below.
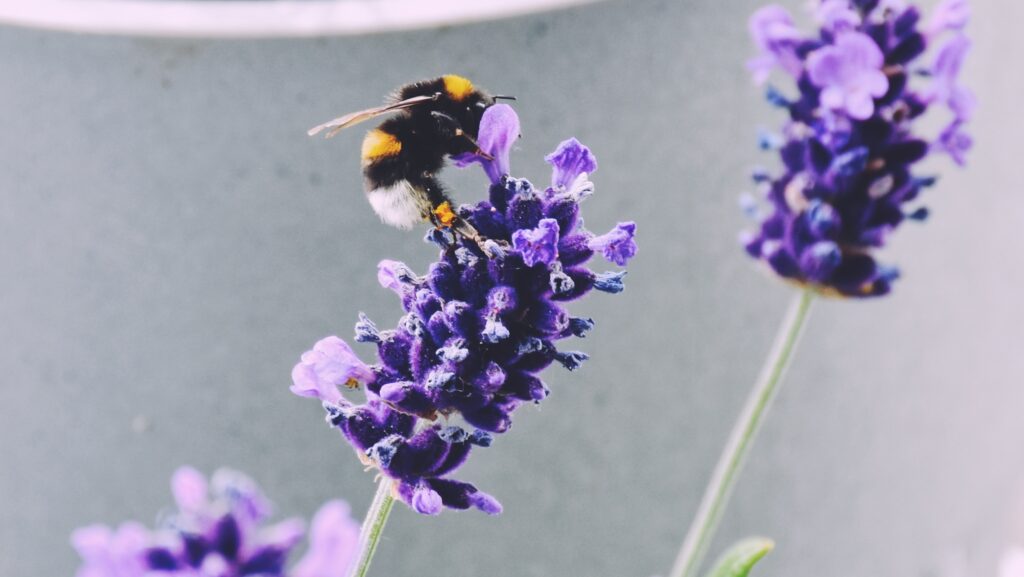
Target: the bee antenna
pixel 503 97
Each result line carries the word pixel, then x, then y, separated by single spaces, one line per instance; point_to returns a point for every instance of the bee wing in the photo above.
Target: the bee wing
pixel 338 124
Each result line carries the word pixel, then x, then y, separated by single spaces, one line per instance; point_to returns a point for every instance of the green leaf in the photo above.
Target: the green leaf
pixel 739 559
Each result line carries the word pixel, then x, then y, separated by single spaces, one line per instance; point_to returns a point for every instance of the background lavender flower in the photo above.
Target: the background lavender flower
pixel 218 530
pixel 848 147
pixel 477 330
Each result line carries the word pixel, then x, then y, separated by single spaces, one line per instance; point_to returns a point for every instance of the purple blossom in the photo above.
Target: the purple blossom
pixel 772 30
pixel 394 276
pixel 499 130
pixel 617 245
pixel 331 364
pixel 107 552
pixel 571 160
pixel 333 540
pixel 477 332
pixel 538 245
pixel 946 72
pixel 848 147
pixel 955 142
pixel 837 15
pixel 850 74
pixel 949 15
pixel 218 531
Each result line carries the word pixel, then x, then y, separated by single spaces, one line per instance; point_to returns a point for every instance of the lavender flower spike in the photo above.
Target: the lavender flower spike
pixel 477 330
pixel 849 146
pixel 218 530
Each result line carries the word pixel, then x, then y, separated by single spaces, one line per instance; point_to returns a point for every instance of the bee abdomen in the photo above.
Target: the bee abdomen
pixel 379 144
pixel 399 204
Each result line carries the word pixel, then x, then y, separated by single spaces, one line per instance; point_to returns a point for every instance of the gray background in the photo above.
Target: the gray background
pixel 171 241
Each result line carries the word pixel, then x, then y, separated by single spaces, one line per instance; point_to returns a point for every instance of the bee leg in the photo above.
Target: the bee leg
pixel 443 215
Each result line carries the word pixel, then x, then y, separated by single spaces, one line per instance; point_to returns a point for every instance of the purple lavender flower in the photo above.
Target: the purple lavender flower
pixel 477 330
pixel 773 32
pixel 499 129
pixel 848 147
pixel 222 536
pixel 945 73
pixel 333 537
pixel 110 552
pixel 570 161
pixel 954 142
pixel 837 16
pixel 538 245
pixel 949 15
pixel 617 245
pixel 330 364
pixel 849 73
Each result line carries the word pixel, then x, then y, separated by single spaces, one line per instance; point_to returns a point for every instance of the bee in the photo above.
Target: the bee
pixel 432 119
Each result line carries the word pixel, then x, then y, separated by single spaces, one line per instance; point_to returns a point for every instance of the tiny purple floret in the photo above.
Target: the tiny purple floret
pixel 946 72
pixel 772 30
pixel 499 130
pixel 570 160
pixel 333 542
pixel 949 15
pixel 331 364
pixel 539 245
pixel 617 245
pixel 850 74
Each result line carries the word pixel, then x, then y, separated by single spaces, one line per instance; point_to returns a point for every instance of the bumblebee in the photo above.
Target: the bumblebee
pixel 433 119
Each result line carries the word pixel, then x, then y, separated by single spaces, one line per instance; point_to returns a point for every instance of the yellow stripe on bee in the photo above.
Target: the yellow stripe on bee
pixel 444 214
pixel 457 87
pixel 379 144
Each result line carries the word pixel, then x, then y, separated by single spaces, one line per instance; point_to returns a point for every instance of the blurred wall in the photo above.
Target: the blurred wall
pixel 171 241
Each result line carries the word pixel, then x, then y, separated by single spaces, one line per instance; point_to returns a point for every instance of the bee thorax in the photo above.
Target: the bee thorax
pixel 401 204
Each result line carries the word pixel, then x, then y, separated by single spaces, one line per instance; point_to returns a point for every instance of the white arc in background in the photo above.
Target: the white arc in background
pixel 260 18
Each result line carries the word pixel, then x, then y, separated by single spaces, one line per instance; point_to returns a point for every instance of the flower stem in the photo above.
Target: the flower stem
pixel 716 495
pixel 373 526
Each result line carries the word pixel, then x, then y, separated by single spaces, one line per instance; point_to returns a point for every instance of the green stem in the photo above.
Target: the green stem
pixel 716 495
pixel 373 526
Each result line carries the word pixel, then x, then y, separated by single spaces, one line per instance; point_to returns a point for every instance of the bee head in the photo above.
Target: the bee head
pixel 464 102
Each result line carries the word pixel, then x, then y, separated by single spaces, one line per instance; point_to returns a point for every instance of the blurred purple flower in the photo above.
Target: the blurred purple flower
pixel 218 531
pixel 946 72
pixel 847 148
pixel 850 74
pixel 772 30
pixel 106 552
pixel 955 142
pixel 837 16
pixel 333 540
pixel 949 15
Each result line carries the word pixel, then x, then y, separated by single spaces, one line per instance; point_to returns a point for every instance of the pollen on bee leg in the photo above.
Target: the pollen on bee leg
pixel 352 383
pixel 444 214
